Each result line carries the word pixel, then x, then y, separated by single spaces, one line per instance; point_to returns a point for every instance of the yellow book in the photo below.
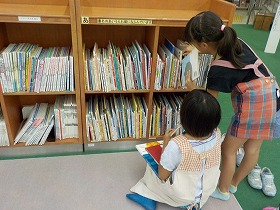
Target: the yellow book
pixel 157 117
pixel 136 117
pixel 152 119
pixel 141 113
pixel 85 67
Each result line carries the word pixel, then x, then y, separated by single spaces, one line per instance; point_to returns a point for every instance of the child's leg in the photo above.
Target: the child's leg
pixel 252 150
pixel 229 148
pixel 147 203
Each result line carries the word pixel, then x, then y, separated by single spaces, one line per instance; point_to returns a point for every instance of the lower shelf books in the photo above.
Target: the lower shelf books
pixel 151 153
pixel 4 139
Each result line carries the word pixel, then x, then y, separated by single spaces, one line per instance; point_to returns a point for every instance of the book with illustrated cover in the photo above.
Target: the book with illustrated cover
pixel 151 153
pixel 155 152
pixel 190 63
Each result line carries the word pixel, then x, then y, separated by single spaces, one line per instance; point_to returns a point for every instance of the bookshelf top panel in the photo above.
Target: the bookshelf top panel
pixel 158 17
pixel 40 93
pixel 149 4
pixel 31 13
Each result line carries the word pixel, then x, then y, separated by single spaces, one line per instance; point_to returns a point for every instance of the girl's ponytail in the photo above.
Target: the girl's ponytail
pixel 230 47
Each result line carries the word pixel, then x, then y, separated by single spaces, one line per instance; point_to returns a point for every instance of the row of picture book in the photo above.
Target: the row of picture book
pixel 165 114
pixel 113 68
pixel 175 61
pixel 31 68
pixel 4 139
pixel 114 117
pixel 45 121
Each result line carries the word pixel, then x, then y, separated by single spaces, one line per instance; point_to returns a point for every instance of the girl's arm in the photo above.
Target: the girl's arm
pixel 191 86
pixel 163 173
pixel 213 92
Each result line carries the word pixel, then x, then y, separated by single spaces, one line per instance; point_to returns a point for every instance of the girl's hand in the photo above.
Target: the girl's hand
pixel 167 136
pixel 187 48
pixel 190 85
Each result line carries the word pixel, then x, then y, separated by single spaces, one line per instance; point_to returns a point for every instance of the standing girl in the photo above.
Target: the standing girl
pixel 189 165
pixel 236 69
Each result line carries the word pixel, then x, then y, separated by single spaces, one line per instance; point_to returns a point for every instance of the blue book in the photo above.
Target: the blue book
pixel 170 46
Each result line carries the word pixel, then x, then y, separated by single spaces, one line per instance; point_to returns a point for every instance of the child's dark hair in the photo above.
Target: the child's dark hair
pixel 200 113
pixel 207 27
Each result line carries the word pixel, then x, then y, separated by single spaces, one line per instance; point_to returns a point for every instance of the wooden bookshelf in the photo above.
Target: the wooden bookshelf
pixel 148 22
pixel 73 23
pixel 48 24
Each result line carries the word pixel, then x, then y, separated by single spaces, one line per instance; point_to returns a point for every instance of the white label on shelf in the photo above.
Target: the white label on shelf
pixel 85 20
pixel 29 19
pixel 91 145
pixel 124 21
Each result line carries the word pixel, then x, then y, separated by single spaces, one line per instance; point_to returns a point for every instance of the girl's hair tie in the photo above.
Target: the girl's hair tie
pixel 222 27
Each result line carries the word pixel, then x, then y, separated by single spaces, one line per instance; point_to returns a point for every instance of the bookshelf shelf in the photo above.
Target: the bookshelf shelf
pixel 116 92
pixel 170 90
pixel 51 143
pixel 122 23
pixel 40 93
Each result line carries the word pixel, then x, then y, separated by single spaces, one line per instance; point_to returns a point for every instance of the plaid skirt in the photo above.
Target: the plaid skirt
pixel 254 105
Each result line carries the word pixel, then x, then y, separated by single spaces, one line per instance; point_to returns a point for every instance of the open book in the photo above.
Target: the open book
pixel 151 153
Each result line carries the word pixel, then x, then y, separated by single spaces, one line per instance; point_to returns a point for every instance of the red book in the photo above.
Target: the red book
pixel 155 152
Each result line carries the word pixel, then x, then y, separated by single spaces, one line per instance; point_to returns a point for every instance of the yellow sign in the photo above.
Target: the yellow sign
pixel 125 21
pixel 85 20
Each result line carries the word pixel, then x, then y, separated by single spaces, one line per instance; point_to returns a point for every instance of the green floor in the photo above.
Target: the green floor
pixel 249 198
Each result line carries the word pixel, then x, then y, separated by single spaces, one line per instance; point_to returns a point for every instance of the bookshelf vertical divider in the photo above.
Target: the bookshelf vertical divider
pixel 81 67
pixel 154 36
pixel 76 53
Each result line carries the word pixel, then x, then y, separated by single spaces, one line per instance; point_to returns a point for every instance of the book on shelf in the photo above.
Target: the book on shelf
pixel 65 117
pixel 4 139
pixel 204 61
pixel 113 68
pixel 165 113
pixel 33 129
pixel 114 117
pixel 151 153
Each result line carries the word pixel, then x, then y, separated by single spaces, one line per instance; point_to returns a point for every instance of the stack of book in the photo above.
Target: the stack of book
pixel 116 117
pixel 4 139
pixel 169 61
pixel 28 67
pixel 66 119
pixel 37 127
pixel 111 68
pixel 165 114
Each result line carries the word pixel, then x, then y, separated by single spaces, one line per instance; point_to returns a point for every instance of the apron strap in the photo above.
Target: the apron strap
pixel 254 66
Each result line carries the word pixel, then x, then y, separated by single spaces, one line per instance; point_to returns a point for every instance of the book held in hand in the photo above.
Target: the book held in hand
pixel 190 63
pixel 155 152
pixel 151 153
